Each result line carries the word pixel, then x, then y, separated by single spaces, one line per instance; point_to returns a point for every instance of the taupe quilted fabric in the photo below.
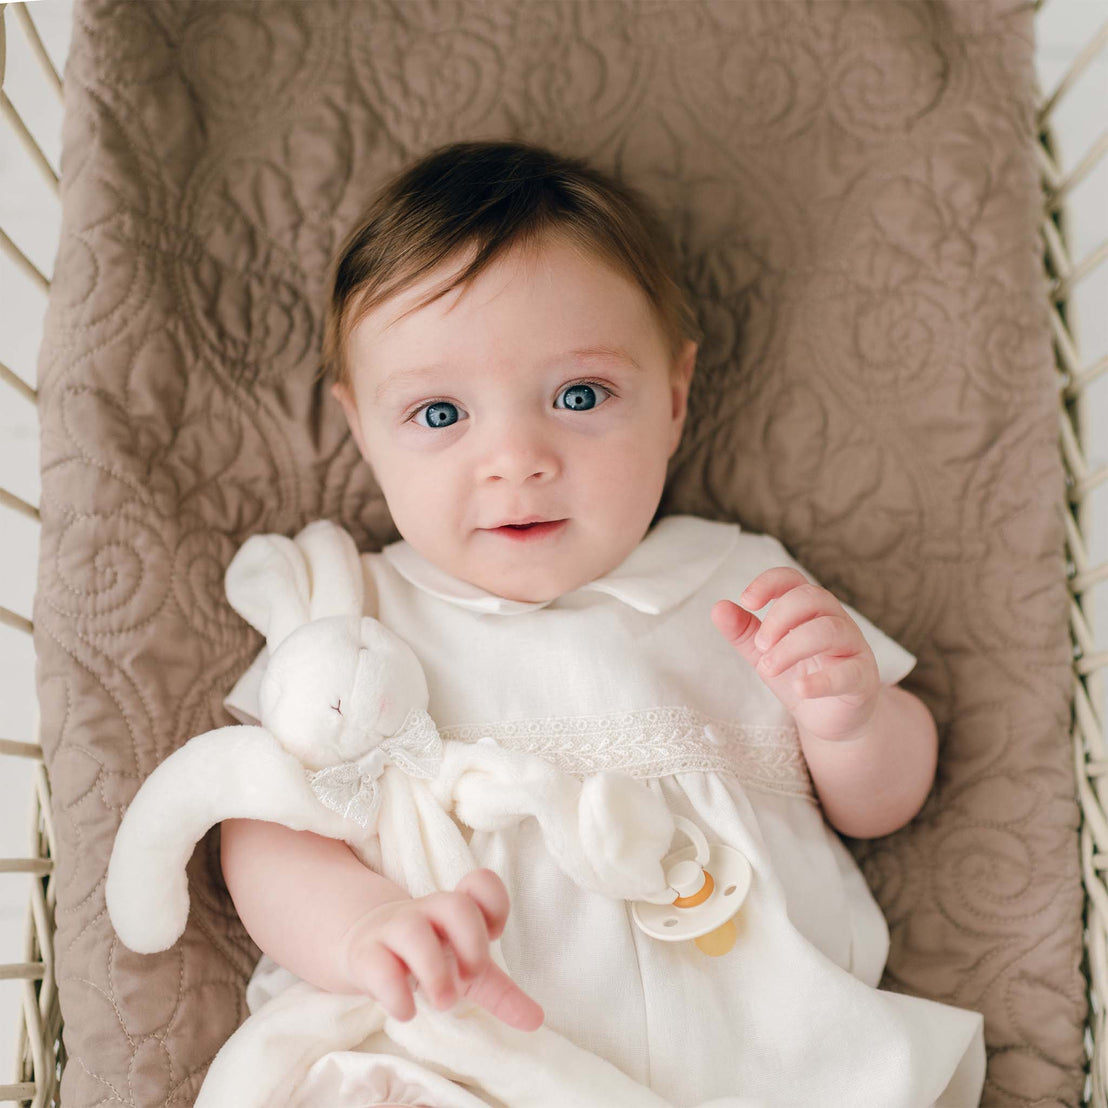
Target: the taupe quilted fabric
pixel 852 187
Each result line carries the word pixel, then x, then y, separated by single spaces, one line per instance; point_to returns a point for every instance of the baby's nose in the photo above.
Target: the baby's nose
pixel 518 453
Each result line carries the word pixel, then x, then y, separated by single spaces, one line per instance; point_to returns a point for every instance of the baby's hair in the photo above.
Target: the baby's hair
pixel 496 195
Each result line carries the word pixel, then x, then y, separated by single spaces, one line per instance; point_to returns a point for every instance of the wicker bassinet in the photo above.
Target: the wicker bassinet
pixel 40 1051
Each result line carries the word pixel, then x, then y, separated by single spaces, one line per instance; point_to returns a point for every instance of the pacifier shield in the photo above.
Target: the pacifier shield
pixel 731 874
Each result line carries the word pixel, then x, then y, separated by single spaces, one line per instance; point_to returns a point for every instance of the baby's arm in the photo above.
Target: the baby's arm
pixel 874 783
pixel 314 908
pixel 871 748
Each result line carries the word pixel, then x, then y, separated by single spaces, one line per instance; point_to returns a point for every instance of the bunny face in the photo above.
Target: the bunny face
pixel 337 687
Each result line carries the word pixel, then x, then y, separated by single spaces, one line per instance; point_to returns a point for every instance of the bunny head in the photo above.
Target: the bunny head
pixel 337 687
pixel 337 682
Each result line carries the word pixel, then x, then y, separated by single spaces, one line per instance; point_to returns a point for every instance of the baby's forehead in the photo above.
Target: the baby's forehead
pixel 533 297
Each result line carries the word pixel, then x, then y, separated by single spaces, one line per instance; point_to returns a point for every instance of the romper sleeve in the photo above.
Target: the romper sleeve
pixel 894 663
pixel 242 700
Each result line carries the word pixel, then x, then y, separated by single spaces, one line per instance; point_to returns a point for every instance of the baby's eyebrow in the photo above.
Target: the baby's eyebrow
pixel 607 354
pixel 391 384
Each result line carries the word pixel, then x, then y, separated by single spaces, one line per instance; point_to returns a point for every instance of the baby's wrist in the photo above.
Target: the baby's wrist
pixel 851 733
pixel 358 934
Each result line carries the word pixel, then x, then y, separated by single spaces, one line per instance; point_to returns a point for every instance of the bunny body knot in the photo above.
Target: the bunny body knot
pixel 352 788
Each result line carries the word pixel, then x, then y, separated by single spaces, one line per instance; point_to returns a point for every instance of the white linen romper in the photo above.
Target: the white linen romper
pixel 627 673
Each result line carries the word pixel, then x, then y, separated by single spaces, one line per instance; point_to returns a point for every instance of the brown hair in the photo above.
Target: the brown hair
pixel 495 195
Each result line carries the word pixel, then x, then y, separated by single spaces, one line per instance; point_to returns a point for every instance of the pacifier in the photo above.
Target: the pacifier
pixel 706 887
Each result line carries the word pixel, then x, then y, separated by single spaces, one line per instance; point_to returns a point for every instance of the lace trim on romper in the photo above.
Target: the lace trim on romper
pixel 657 742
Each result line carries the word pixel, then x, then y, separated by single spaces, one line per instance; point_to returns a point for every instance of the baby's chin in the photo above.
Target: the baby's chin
pixel 525 587
pixel 523 593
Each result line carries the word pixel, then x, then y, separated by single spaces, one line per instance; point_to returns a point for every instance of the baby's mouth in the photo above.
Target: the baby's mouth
pixel 546 527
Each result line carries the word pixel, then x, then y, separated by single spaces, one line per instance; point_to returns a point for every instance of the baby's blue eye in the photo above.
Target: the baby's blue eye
pixel 438 414
pixel 582 397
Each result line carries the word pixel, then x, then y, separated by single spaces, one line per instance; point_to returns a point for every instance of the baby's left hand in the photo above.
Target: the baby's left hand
pixel 808 652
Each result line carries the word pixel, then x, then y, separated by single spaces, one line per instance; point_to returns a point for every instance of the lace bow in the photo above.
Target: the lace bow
pixel 352 788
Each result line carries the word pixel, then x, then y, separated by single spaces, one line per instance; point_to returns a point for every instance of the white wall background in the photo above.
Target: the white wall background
pixel 30 216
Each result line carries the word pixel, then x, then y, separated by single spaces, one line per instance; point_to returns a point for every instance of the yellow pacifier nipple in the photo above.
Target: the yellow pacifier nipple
pixel 719 941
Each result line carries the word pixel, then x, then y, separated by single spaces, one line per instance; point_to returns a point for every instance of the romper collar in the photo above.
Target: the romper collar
pixel 676 556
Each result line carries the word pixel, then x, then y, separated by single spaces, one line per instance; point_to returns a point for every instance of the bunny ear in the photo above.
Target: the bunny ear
pixel 277 584
pixel 337 587
pixel 268 584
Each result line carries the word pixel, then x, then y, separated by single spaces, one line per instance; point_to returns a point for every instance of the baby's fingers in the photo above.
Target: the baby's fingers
pixel 498 994
pixel 385 978
pixel 840 678
pixel 770 584
pixel 827 635
pixel 738 627
pixel 487 891
pixel 419 947
pixel 462 925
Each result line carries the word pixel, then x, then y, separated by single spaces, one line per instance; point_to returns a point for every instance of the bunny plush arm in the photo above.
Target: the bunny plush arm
pixel 232 771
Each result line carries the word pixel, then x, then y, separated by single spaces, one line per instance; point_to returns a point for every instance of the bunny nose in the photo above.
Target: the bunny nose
pixel 357 730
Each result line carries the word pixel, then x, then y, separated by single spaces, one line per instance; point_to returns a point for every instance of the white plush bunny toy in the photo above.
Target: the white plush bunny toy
pixel 347 749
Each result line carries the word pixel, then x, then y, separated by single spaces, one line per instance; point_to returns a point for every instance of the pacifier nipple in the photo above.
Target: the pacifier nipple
pixel 692 884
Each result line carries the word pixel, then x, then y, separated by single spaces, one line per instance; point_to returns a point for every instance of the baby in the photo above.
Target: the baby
pixel 513 355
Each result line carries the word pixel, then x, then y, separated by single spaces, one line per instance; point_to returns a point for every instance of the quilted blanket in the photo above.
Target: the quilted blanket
pixel 853 192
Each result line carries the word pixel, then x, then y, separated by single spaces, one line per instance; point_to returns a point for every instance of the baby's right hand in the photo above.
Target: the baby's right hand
pixel 443 941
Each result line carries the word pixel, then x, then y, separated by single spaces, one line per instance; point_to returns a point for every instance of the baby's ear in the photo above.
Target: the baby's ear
pixel 345 396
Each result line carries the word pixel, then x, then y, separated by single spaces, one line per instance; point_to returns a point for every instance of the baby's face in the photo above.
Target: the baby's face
pixel 513 398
